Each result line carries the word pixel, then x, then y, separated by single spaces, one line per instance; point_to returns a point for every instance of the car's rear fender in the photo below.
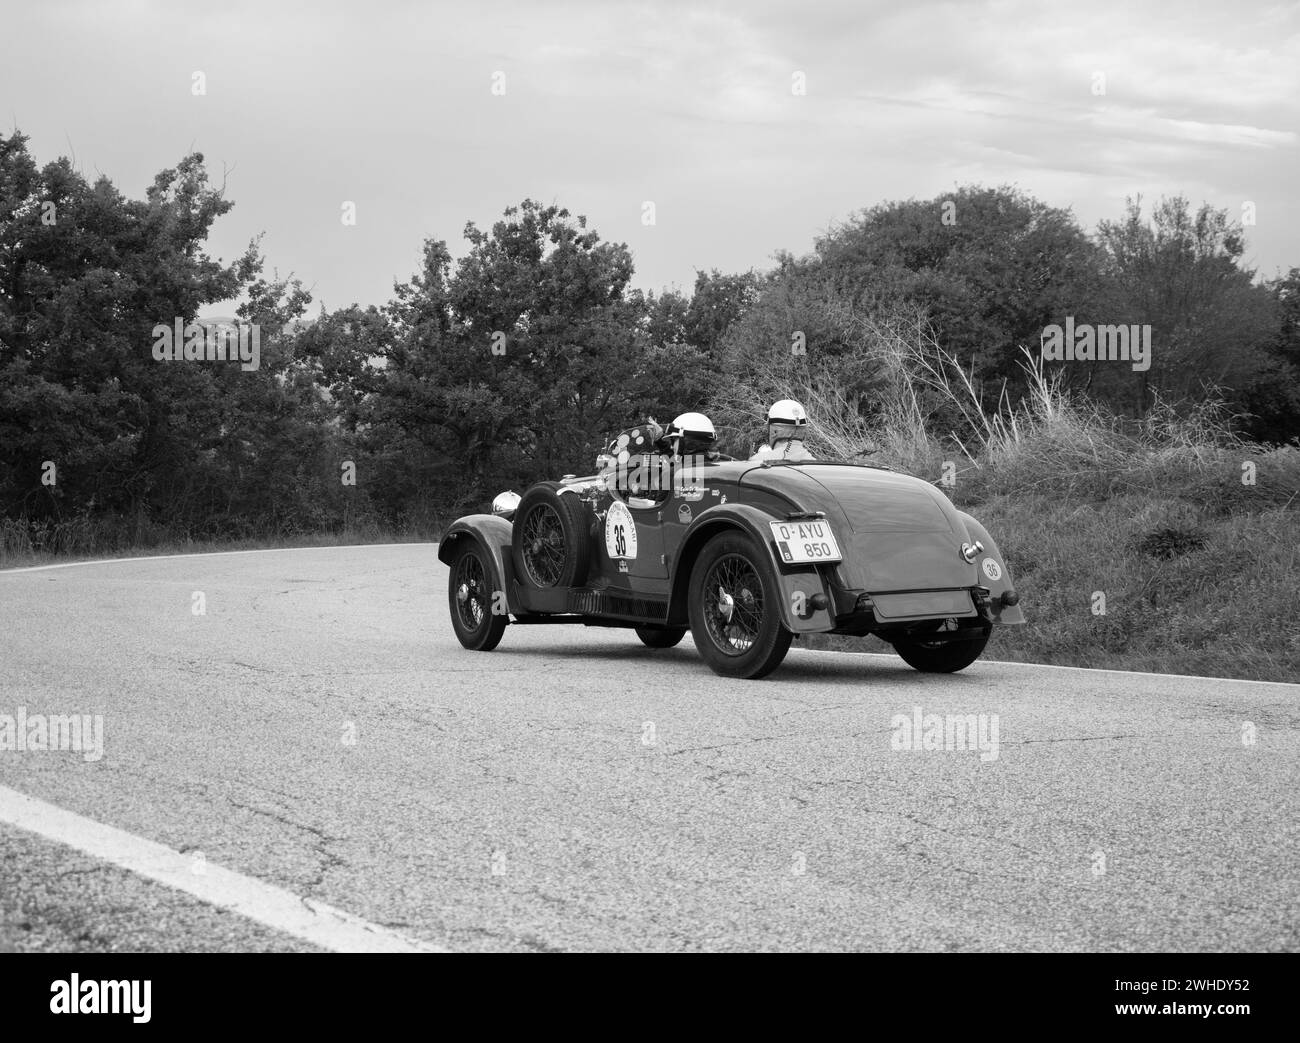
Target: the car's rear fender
pixel 800 584
pixel 1000 612
pixel 493 534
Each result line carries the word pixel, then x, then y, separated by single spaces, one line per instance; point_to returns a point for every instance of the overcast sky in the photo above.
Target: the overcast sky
pixel 608 105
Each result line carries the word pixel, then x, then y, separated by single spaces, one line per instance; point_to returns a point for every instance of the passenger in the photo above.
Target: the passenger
pixel 787 422
pixel 690 441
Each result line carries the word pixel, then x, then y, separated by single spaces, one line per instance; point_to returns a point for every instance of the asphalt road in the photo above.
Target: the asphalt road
pixel 319 729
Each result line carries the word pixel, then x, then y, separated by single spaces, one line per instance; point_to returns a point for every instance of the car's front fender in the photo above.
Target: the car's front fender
pixel 493 533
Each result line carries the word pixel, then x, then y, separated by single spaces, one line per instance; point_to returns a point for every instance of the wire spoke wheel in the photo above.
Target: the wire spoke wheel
pixel 551 538
pixel 471 597
pixel 543 545
pixel 470 585
pixel 733 609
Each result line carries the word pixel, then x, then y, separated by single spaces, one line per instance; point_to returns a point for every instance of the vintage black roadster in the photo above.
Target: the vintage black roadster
pixel 743 554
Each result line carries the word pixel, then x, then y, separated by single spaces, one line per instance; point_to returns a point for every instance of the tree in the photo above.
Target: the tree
pixel 188 447
pixel 85 279
pixel 991 267
pixel 802 339
pixel 717 302
pixel 1272 400
pixel 1180 273
pixel 518 361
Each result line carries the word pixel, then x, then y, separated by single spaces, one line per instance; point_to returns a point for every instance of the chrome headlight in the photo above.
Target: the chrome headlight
pixel 505 503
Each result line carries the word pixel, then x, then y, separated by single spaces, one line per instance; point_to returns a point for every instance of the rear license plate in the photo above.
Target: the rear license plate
pixel 799 542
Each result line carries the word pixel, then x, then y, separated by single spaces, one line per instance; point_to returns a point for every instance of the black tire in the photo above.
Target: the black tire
pixel 938 656
pixel 471 594
pixel 551 546
pixel 746 637
pixel 655 637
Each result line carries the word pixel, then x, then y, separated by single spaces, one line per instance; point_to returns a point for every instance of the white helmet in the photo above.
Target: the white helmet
pixel 691 433
pixel 786 420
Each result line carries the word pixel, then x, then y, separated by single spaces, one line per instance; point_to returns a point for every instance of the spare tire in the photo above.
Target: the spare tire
pixel 551 542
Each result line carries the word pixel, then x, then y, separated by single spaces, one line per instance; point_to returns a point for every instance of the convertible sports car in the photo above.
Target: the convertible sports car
pixel 743 554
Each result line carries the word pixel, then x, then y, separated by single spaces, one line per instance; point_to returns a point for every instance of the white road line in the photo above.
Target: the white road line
pixel 1142 673
pixel 303 918
pixel 207 554
pixel 1052 666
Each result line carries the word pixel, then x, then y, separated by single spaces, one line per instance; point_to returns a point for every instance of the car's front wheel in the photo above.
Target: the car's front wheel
pixel 471 598
pixel 939 656
pixel 734 608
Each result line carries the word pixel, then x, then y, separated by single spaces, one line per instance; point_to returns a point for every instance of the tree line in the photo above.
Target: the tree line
pixel 517 360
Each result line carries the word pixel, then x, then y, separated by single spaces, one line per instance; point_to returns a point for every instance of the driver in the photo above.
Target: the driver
pixel 691 435
pixel 690 441
pixel 645 462
pixel 787 422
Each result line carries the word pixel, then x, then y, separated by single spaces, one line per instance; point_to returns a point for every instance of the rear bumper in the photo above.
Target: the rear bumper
pixel 907 606
pixel 972 608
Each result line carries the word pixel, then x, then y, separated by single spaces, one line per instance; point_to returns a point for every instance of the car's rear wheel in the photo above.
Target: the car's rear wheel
pixel 734 608
pixel 660 637
pixel 551 545
pixel 471 597
pixel 939 656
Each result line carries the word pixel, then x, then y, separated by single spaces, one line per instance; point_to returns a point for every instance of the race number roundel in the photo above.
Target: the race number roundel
pixel 620 532
pixel 992 569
